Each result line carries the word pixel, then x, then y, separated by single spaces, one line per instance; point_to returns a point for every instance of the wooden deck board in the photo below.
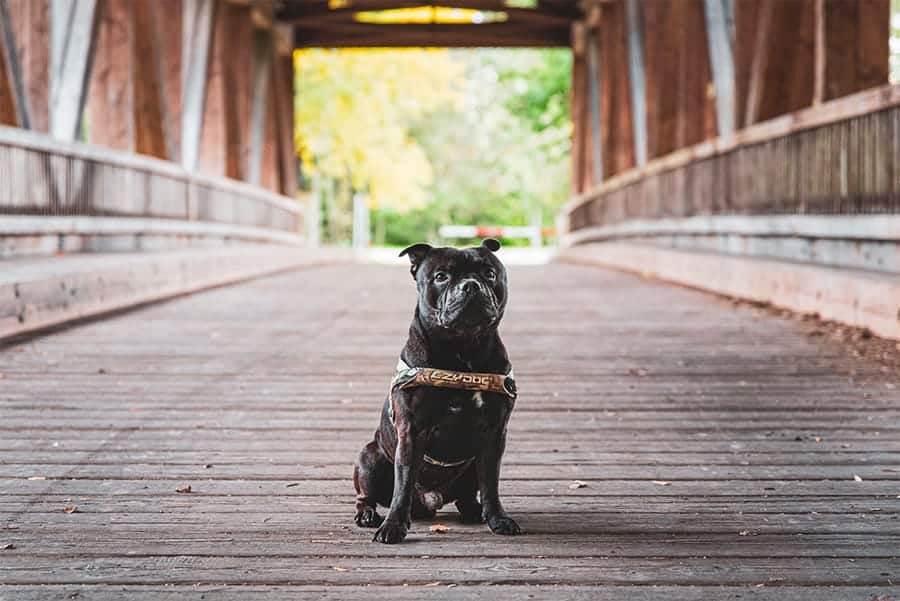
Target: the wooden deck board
pixel 719 446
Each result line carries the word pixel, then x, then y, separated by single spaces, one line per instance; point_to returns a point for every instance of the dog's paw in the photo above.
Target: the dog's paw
pixel 368 518
pixel 501 524
pixel 390 533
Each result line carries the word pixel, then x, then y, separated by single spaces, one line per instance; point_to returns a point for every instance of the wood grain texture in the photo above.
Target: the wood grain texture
pixel 718 449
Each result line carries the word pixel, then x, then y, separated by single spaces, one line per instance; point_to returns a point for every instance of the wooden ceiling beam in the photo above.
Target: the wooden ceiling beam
pixel 319 10
pixel 360 35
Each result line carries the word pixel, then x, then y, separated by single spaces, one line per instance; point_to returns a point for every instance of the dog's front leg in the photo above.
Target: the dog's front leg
pixel 407 462
pixel 488 466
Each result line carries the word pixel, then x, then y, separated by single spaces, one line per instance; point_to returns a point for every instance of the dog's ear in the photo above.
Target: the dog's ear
pixel 491 244
pixel 417 253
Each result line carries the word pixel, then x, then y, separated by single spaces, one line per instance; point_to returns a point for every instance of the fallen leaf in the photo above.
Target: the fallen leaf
pixel 339 569
pixel 70 509
pixel 439 528
pixel 661 482
pixel 8 547
pixel 857 478
pixel 184 489
pixel 578 484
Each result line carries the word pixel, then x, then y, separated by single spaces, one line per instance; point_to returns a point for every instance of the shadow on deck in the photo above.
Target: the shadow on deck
pixel 724 452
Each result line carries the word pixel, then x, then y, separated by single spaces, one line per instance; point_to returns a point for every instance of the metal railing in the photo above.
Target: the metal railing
pixel 41 176
pixel 842 157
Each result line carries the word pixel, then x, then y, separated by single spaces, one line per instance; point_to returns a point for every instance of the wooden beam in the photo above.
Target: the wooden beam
pixel 150 135
pixel 721 54
pixel 196 42
pixel 662 30
pixel 263 52
pixel 594 77
pixel 270 167
pixel 580 122
pixel 696 119
pixel 318 11
pixel 14 105
pixel 73 29
pixel 852 51
pixel 774 86
pixel 221 142
pixel 167 22
pixel 637 79
pixel 362 35
pixel 283 74
pixel 110 105
pixel 760 61
pixel 615 98
pixel 30 21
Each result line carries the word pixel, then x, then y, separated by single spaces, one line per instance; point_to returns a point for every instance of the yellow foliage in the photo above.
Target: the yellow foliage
pixel 354 109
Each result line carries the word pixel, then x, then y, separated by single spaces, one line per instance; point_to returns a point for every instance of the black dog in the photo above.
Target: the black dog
pixel 438 444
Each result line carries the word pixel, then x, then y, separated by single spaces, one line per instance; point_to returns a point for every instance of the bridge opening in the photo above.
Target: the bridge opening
pixel 425 139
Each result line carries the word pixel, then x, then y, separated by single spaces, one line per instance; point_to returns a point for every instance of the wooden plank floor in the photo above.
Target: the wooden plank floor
pixel 725 453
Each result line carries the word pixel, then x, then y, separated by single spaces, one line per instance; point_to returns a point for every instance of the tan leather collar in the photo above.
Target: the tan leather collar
pixel 412 377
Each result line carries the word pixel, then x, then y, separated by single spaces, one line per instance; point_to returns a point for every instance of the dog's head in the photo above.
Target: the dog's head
pixel 462 292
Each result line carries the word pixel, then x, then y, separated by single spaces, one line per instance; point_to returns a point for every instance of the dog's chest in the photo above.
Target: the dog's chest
pixel 469 402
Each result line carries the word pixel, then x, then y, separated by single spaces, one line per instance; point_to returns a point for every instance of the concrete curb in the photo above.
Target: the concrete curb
pixel 36 294
pixel 858 298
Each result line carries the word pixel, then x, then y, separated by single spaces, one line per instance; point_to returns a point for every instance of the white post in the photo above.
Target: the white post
pixel 360 222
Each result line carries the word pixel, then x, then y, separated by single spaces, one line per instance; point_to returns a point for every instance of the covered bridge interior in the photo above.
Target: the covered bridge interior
pixel 667 442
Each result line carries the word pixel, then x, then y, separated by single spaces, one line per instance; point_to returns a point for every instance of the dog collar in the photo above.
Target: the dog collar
pixel 412 377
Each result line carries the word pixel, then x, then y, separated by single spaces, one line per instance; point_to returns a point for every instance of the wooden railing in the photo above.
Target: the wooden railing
pixel 841 157
pixel 41 176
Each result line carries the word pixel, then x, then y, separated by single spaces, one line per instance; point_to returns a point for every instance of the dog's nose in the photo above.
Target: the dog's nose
pixel 470 287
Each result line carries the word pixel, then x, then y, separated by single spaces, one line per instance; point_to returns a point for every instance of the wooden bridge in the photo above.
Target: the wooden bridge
pixel 668 443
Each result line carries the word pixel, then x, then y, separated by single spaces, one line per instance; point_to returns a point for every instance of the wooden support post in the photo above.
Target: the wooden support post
pixel 30 21
pixel 637 79
pixel 284 102
pixel 851 46
pixel 661 33
pixel 167 21
pixel 270 168
pixel 197 37
pixel 111 103
pixel 150 135
pixel 14 105
pixel 721 54
pixel 227 115
pixel 594 76
pixel 73 28
pixel 696 98
pixel 767 31
pixel 580 146
pixel 262 69
pixel 615 98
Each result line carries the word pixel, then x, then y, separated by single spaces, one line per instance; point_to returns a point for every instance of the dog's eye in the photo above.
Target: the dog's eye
pixel 441 276
pixel 490 274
